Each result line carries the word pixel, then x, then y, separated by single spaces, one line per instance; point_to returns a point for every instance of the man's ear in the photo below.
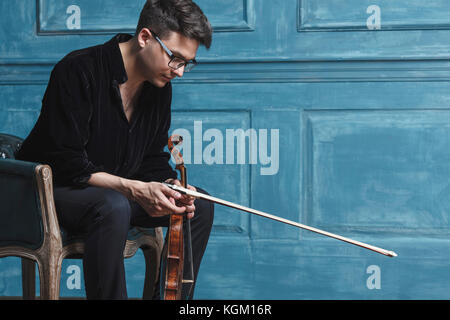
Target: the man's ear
pixel 144 36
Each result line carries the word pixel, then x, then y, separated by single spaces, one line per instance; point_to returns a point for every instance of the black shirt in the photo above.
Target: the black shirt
pixel 82 128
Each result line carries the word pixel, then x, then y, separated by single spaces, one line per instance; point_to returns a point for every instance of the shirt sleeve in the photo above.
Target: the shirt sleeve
pixel 155 164
pixel 62 130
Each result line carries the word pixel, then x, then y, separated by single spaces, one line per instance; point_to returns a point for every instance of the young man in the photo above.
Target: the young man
pixel 103 126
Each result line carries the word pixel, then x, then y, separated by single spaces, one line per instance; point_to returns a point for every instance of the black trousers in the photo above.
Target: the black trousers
pixel 105 216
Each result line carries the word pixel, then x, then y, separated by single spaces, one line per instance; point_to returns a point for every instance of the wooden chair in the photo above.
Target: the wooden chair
pixel 29 227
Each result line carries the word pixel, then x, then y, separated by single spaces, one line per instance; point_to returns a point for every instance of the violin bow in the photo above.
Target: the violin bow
pixel 276 218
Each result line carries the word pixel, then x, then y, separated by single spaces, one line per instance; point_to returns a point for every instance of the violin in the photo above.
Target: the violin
pixel 179 228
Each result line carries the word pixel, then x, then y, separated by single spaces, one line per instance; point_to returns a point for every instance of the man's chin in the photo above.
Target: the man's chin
pixel 159 83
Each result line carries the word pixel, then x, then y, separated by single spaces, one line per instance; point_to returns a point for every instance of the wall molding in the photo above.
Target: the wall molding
pixel 21 72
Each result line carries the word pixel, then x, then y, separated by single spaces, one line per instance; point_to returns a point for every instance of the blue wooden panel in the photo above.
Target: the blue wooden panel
pixel 360 118
pixel 84 16
pixel 106 16
pixel 380 171
pixel 20 107
pixel 335 15
pixel 229 15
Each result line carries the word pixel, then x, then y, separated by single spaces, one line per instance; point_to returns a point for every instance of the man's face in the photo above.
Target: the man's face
pixel 154 61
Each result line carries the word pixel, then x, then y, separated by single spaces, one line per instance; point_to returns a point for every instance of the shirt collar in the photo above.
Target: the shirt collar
pixel 116 64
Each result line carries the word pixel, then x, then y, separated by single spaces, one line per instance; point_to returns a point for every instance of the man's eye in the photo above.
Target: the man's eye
pixel 178 60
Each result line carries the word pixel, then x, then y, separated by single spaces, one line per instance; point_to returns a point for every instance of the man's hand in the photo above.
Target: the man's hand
pixel 157 199
pixel 185 200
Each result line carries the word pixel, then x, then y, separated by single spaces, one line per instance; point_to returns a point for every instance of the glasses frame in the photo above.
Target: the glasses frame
pixel 188 65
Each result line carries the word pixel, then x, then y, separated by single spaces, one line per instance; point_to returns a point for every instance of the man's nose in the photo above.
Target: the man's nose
pixel 179 72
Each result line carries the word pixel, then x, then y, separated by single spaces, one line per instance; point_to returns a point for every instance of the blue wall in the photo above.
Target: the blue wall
pixel 346 104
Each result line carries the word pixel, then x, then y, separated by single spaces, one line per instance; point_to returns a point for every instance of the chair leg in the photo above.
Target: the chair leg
pixel 28 279
pixel 50 277
pixel 152 263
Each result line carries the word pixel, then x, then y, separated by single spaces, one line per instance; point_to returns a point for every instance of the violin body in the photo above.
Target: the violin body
pixel 175 259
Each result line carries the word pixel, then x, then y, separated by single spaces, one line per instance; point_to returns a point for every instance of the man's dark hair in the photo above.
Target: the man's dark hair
pixel 182 16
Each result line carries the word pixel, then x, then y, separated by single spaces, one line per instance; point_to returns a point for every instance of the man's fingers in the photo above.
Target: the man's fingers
pixel 186 201
pixel 172 207
pixel 181 199
pixel 171 193
pixel 174 181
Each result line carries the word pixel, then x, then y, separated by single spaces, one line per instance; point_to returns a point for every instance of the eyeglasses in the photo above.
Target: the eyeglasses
pixel 176 62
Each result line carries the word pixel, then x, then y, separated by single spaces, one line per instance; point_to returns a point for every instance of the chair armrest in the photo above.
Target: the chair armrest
pixel 27 211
